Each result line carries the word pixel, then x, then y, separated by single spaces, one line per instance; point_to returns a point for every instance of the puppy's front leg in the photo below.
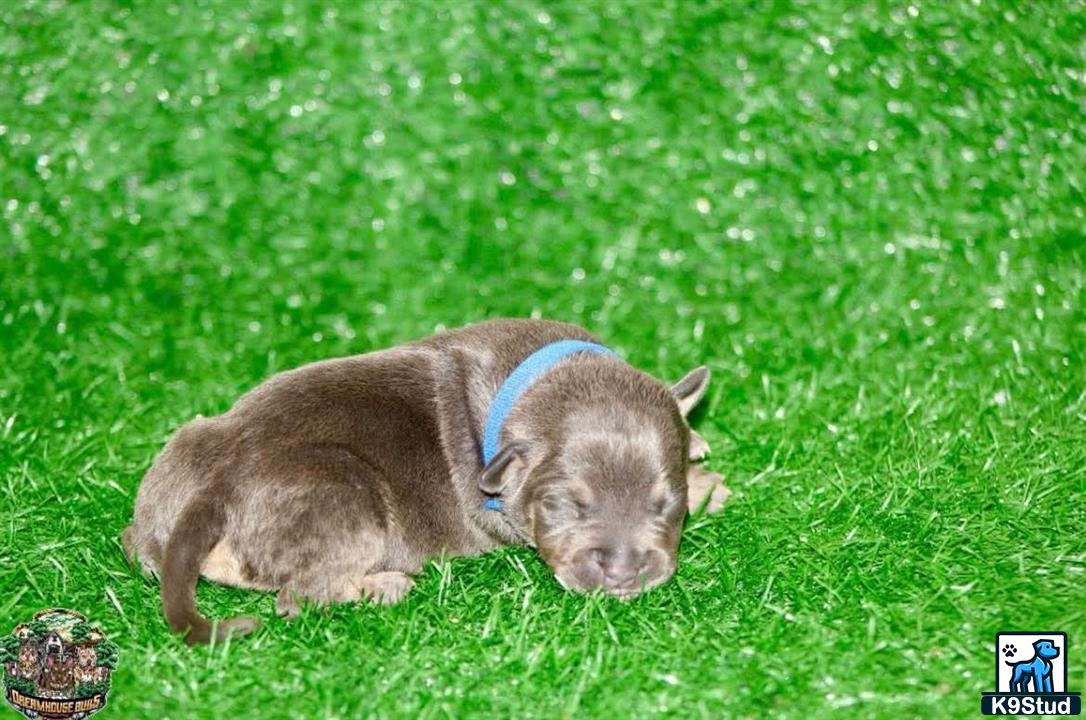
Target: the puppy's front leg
pixel 383 588
pixel 704 487
pixel 386 588
pixel 699 448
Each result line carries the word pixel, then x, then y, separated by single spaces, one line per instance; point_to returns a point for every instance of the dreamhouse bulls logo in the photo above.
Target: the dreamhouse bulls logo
pixel 57 666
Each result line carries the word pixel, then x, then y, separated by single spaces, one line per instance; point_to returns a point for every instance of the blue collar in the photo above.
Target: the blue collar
pixel 514 386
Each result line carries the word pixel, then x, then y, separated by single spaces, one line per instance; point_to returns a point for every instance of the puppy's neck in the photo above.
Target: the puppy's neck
pixel 469 379
pixel 508 525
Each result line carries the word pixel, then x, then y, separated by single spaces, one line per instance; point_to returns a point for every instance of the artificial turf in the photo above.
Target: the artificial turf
pixel 866 219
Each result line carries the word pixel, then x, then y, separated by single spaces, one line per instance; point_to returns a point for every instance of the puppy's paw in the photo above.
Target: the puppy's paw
pixel 705 488
pixel 223 629
pixel 386 588
pixel 287 604
pixel 699 449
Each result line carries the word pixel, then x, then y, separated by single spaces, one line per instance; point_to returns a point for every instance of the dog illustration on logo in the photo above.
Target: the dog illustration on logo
pixel 57 663
pixel 1036 670
pixel 56 666
pixel 1033 686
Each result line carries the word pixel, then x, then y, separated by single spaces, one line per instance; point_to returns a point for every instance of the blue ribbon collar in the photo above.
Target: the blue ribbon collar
pixel 523 375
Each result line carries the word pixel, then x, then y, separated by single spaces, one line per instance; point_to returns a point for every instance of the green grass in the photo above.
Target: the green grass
pixel 869 225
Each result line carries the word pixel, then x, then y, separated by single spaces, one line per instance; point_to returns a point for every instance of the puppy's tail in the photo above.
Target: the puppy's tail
pixel 197 531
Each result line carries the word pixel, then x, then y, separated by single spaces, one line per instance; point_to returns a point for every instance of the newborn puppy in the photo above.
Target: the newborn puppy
pixel 338 480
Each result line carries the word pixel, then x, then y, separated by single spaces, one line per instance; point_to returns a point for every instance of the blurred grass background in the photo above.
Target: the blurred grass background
pixel 867 219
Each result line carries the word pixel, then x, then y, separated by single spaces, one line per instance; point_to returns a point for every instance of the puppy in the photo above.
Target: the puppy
pixel 338 480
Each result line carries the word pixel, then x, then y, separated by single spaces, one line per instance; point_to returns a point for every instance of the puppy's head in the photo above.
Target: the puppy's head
pixel 600 486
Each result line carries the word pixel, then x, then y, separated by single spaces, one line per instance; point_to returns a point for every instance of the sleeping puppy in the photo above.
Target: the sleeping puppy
pixel 338 480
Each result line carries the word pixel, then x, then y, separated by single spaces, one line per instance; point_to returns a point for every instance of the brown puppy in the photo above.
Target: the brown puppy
pixel 338 480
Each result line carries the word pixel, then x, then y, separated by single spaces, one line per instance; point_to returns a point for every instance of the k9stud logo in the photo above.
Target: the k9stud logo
pixel 1031 676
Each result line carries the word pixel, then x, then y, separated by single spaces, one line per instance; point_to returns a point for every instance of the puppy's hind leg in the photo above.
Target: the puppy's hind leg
pixel 339 534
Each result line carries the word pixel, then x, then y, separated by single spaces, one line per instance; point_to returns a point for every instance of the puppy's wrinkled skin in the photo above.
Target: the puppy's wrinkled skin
pixel 336 481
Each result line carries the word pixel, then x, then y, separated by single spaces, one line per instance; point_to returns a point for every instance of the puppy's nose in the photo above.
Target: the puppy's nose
pixel 621 567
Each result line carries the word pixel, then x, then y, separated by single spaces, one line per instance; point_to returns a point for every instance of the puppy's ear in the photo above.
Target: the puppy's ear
pixel 690 389
pixel 504 469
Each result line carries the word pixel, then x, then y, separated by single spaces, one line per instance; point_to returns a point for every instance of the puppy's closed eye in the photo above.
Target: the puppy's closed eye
pixel 566 507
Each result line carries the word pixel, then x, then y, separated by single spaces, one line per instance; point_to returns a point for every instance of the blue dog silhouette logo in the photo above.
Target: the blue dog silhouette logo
pixel 1035 673
pixel 1031 676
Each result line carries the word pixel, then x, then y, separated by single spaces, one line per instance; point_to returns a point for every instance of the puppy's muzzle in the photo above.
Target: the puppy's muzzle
pixel 623 571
